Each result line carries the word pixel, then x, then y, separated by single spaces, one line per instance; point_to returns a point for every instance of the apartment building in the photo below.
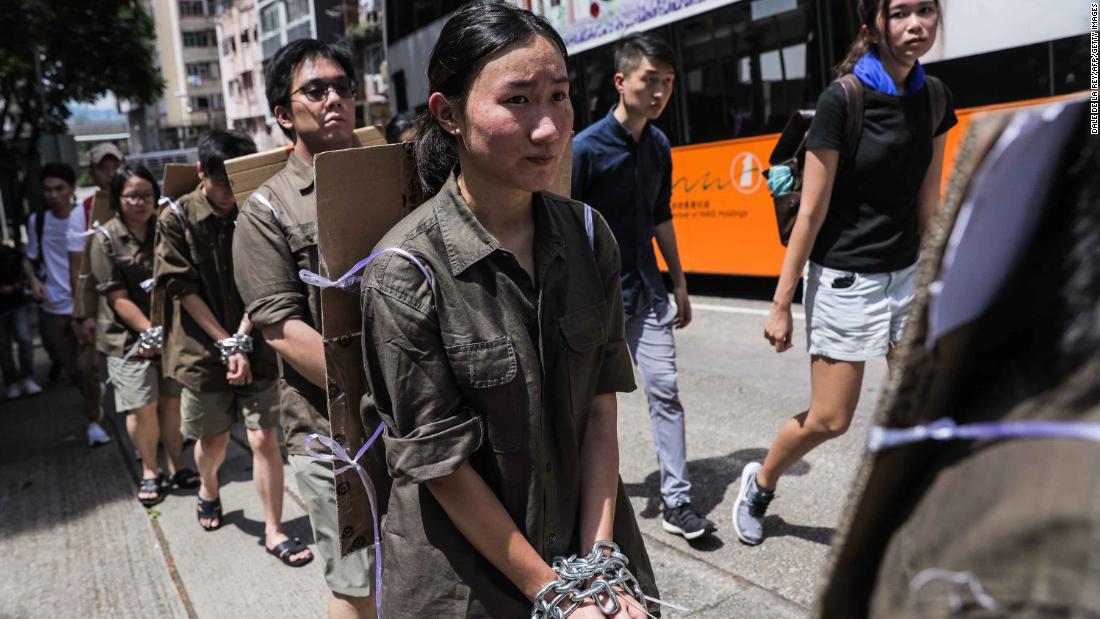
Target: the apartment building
pixel 241 64
pixel 187 53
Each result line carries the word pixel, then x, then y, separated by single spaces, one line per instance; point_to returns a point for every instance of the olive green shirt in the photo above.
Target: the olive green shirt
pixel 484 365
pixel 119 261
pixel 270 247
pixel 195 256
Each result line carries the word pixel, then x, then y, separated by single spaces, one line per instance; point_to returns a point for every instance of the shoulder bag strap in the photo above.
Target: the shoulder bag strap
pixel 938 99
pixel 853 124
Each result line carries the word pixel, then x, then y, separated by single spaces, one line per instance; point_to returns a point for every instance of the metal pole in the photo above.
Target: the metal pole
pixel 3 220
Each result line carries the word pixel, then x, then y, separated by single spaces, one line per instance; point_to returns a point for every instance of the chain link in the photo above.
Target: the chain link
pixel 151 338
pixel 236 343
pixel 601 576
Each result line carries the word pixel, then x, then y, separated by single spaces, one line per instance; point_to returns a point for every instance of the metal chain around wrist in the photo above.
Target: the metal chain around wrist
pixel 234 344
pixel 601 576
pixel 151 338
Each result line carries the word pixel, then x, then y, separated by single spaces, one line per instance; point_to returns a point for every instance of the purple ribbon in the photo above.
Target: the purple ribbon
pixel 353 276
pixel 339 454
pixel 945 429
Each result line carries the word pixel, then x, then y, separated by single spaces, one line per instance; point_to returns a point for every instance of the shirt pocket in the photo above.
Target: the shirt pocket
pixel 301 237
pixel 585 334
pixel 486 373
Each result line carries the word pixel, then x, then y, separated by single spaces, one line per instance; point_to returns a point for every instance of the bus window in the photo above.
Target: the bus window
pixel 745 69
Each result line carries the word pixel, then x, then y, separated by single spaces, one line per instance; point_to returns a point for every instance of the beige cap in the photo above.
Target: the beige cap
pixel 101 150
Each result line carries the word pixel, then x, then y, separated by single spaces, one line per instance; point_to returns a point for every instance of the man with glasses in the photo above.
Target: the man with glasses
pixel 55 244
pixel 312 97
pixel 227 372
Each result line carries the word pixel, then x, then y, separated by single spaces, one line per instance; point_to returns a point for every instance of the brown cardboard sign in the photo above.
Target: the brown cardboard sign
pixel 179 179
pixel 361 194
pixel 85 299
pixel 247 173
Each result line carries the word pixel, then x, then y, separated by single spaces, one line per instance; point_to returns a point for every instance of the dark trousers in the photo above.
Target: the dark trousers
pixel 15 328
pixel 80 361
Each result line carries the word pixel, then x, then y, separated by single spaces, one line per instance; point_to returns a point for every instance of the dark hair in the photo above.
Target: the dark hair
pixel 633 47
pixel 218 146
pixel 125 172
pixel 869 12
pixel 398 125
pixel 58 169
pixel 279 73
pixel 473 33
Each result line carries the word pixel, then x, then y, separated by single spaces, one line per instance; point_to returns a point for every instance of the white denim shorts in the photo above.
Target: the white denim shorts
pixel 855 316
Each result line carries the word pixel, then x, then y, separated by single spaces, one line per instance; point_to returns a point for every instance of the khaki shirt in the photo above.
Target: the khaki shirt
pixel 484 365
pixel 119 261
pixel 194 256
pixel 270 247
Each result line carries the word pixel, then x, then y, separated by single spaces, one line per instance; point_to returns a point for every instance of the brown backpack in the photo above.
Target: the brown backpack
pixel 790 150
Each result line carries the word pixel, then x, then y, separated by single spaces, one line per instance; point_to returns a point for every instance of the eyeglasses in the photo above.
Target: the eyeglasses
pixel 135 198
pixel 317 90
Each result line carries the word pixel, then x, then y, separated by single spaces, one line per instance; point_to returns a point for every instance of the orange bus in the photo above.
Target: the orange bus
pixel 746 65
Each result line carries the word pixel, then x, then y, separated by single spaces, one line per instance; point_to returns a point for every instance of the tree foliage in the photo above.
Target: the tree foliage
pixel 84 49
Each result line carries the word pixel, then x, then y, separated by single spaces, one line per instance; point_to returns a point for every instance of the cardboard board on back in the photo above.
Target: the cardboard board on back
pixel 85 297
pixel 361 194
pixel 179 179
pixel 247 173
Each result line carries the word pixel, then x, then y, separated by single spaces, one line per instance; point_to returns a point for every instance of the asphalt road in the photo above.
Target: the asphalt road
pixel 76 543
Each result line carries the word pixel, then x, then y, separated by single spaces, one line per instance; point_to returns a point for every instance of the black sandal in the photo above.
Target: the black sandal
pixel 186 478
pixel 288 548
pixel 209 510
pixel 147 485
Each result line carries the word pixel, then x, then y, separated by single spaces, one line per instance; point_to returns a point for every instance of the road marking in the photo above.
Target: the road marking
pixel 730 309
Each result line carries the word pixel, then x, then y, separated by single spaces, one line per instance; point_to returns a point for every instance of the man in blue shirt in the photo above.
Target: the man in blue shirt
pixel 622 166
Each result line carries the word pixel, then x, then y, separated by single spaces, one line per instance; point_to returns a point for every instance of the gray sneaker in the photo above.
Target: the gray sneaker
pixel 750 506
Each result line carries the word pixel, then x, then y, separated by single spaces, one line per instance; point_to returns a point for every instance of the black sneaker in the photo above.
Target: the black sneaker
pixel 55 372
pixel 683 520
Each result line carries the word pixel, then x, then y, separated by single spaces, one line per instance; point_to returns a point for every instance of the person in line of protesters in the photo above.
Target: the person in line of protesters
pixel 56 245
pixel 311 94
pixel 15 322
pixel 497 378
pixel 622 166
pixel 104 160
pixel 228 373
pixel 121 258
pixel 401 128
pixel 859 225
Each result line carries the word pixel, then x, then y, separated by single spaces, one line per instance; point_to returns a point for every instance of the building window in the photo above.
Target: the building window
pixel 296 9
pixel 245 37
pixel 229 46
pixel 270 18
pixel 200 103
pixel 217 102
pixel 399 91
pixel 192 8
pixel 246 80
pixel 199 38
pixel 201 69
pixel 301 31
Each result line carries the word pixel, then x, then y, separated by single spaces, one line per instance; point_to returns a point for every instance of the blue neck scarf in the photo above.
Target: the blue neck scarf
pixel 870 71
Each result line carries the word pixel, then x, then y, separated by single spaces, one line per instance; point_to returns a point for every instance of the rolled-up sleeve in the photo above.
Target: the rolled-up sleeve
pixel 429 430
pixel 265 270
pixel 616 371
pixel 104 269
pixel 173 268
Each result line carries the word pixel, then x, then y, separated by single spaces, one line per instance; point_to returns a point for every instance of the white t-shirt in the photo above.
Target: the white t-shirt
pixel 58 243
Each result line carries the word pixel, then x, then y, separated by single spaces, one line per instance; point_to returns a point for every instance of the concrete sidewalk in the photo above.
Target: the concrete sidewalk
pixel 78 544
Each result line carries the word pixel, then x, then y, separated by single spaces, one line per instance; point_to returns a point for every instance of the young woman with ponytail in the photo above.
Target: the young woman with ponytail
pixel 859 226
pixel 493 343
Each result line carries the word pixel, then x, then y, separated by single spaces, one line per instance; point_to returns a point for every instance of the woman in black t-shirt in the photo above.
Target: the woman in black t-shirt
pixel 859 225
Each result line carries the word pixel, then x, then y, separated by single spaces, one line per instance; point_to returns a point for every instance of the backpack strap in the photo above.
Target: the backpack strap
pixel 853 123
pixel 937 97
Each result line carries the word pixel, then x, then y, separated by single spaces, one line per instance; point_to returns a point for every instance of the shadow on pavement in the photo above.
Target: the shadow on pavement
pixel 710 479
pixel 775 526
pixel 298 527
